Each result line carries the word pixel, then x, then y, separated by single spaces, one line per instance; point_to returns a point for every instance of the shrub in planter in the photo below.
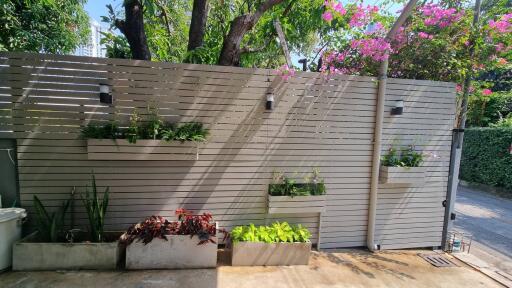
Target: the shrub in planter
pixel 53 247
pixel 277 244
pixel 402 166
pixel 288 196
pixel 157 243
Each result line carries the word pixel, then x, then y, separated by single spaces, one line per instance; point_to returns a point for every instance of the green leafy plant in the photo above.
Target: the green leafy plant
pixel 192 131
pixel 152 128
pixel 96 209
pixel 275 233
pixel 283 185
pixel 50 225
pixel 108 131
pixel 132 134
pixel 407 157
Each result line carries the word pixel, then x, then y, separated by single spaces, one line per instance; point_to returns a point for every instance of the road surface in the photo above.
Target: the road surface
pixel 489 219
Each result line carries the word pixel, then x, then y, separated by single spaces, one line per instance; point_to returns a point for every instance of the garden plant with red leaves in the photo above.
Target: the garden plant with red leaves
pixel 152 227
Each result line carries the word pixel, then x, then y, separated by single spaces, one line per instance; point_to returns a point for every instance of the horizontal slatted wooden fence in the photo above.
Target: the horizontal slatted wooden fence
pixel 317 122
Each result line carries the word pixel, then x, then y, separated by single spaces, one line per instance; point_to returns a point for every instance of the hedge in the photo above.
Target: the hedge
pixel 486 158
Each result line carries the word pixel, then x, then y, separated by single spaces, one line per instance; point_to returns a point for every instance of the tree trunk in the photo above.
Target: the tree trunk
pixel 230 53
pixel 133 29
pixel 197 24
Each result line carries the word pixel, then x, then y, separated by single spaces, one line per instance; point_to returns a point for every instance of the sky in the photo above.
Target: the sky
pixel 96 8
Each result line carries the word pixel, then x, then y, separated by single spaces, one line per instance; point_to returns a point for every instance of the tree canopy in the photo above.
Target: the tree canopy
pixel 52 26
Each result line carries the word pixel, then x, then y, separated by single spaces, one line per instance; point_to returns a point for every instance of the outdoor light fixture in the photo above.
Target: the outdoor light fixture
pixel 398 109
pixel 270 99
pixel 105 95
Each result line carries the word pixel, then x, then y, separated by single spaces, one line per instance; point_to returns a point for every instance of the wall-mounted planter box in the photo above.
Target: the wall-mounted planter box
pixel 402 175
pixel 121 149
pixel 296 204
pixel 31 255
pixel 270 254
pixel 179 252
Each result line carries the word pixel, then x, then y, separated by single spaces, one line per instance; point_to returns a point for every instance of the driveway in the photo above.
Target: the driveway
pixel 489 219
pixel 340 269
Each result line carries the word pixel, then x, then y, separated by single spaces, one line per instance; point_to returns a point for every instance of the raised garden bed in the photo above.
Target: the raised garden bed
pixel 30 254
pixel 277 244
pixel 270 254
pixel 402 175
pixel 178 252
pixel 122 149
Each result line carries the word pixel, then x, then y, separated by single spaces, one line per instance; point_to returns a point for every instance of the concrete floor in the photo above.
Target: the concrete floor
pixel 489 219
pixel 346 268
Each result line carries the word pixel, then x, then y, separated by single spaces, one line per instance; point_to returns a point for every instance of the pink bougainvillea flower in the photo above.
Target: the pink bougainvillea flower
pixel 503 25
pixel 285 72
pixel 486 92
pixel 458 88
pixel 436 15
pixel 327 16
pixel 376 48
pixel 339 8
pixel 424 35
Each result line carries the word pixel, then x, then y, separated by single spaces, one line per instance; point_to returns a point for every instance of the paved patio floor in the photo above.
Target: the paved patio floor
pixel 345 268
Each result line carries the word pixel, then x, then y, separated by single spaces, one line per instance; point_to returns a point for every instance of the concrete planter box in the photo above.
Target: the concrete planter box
pixel 270 254
pixel 402 175
pixel 28 255
pixel 121 149
pixel 179 252
pixel 296 204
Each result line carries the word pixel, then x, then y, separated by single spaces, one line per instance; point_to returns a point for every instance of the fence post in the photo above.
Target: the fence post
pixel 453 183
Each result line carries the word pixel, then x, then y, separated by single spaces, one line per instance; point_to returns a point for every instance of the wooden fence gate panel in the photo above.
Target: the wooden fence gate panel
pixel 317 122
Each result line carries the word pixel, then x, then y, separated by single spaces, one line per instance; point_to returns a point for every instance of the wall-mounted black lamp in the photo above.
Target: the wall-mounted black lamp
pixel 398 109
pixel 105 95
pixel 270 99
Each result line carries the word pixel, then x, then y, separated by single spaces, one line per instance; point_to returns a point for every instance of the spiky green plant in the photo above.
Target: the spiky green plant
pixel 96 210
pixel 50 225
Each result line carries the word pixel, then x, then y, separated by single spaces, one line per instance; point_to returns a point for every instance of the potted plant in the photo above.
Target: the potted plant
pixel 285 195
pixel 151 139
pixel 274 245
pixel 402 166
pixel 53 247
pixel 157 243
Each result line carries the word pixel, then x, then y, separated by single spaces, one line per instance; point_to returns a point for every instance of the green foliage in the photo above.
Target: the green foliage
pixel 52 26
pixel 96 210
pixel 275 233
pixel 50 225
pixel 166 27
pixel 485 157
pixel 108 131
pixel 487 110
pixel 503 123
pixel 407 157
pixel 151 127
pixel 116 46
pixel 283 185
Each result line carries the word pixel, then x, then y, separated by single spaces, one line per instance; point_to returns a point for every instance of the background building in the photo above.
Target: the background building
pixel 93 48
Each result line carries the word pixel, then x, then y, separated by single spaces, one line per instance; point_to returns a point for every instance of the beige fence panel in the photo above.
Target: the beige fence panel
pixel 317 122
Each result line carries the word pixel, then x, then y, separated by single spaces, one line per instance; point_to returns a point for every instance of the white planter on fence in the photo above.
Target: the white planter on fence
pixel 178 252
pixel 270 254
pixel 402 175
pixel 121 149
pixel 296 204
pixel 64 256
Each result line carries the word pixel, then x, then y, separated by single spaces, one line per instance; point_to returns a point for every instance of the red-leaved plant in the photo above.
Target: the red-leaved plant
pixel 201 226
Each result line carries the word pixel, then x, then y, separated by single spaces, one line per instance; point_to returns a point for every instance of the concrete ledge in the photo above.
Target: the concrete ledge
pixel 29 255
pixel 270 254
pixel 179 252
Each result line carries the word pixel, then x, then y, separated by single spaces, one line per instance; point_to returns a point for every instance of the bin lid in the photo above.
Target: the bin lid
pixel 7 214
